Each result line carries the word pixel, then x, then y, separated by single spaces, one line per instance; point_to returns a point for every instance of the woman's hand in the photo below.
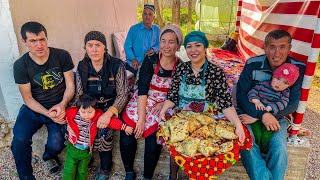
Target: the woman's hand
pixel 162 116
pixel 104 120
pixel 246 119
pixel 157 108
pixel 240 133
pixel 166 105
pixel 139 130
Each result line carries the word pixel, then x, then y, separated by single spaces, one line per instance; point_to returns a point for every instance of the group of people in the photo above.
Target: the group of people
pixel 97 94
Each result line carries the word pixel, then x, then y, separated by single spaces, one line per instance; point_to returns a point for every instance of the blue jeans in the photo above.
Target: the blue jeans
pixel 272 165
pixel 27 124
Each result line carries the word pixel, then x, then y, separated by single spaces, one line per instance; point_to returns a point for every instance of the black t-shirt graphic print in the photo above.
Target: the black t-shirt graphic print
pixel 47 80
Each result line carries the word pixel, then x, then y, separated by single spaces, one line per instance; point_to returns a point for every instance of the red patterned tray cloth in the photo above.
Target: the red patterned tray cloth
pixel 206 168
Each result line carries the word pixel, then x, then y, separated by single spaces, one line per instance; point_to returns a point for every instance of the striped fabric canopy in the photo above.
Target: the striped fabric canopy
pixel 301 18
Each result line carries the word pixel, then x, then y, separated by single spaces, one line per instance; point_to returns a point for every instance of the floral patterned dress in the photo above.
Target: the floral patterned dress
pixel 157 93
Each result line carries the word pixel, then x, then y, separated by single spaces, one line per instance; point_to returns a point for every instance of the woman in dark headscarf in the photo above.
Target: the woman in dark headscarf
pixel 103 77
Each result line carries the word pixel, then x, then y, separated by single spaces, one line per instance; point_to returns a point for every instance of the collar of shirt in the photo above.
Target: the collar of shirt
pixel 143 27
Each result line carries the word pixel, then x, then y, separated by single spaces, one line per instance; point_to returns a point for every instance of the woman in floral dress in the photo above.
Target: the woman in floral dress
pixel 199 81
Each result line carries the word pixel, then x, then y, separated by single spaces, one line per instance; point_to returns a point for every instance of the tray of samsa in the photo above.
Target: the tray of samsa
pixel 201 145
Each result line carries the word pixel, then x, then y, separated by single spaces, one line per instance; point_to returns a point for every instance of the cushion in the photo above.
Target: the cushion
pixel 119 39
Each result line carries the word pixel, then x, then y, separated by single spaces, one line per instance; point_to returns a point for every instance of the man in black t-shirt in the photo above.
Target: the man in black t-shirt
pixel 45 79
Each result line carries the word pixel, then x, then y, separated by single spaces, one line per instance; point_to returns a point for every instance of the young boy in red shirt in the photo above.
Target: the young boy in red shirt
pixel 82 130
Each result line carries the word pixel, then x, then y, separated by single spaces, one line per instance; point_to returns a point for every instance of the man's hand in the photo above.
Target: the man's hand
pixel 104 120
pixel 270 122
pixel 149 52
pixel 57 113
pixel 59 109
pixel 246 119
pixel 135 64
pixel 58 120
pixel 139 130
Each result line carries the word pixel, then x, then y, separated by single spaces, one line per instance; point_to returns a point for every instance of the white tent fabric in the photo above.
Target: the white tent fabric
pixel 10 99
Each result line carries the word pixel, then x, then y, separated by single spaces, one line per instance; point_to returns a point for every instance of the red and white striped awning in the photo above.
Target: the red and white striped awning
pixel 301 18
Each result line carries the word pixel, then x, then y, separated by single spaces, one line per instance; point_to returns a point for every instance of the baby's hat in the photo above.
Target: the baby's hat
pixel 288 71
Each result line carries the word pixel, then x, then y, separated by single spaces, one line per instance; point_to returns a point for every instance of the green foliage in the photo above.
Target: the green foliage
pixel 167 18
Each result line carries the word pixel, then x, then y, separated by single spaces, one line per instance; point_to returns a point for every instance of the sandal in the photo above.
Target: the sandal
pixel 52 166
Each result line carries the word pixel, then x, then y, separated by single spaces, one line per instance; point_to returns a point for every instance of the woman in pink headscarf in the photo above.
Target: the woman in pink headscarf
pixel 143 109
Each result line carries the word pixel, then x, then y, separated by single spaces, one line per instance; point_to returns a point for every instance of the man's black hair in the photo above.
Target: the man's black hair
pixel 85 101
pixel 32 27
pixel 277 34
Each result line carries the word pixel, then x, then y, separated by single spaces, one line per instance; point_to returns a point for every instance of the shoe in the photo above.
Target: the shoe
pixel 53 166
pixel 130 176
pixel 102 175
pixel 169 177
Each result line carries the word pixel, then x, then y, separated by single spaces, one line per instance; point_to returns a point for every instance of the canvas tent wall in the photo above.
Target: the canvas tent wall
pixel 67 22
pixel 301 18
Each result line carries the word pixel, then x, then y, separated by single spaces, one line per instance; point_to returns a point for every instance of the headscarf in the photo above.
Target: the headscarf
pixel 96 35
pixel 196 36
pixel 176 29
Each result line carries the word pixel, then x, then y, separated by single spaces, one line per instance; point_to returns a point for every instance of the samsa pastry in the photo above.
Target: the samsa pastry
pixel 176 118
pixel 188 147
pixel 207 147
pixel 193 125
pixel 187 114
pixel 201 133
pixel 225 147
pixel 212 129
pixel 225 131
pixel 165 130
pixel 204 119
pixel 178 130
